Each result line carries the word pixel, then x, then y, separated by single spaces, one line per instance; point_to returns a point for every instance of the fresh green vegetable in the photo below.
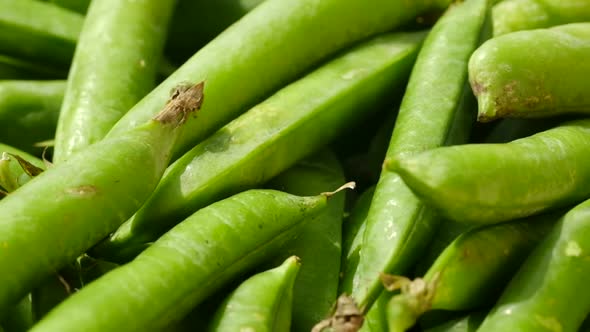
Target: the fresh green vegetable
pixel 275 43
pixel 319 244
pixel 259 144
pixel 29 111
pixel 470 271
pixel 516 15
pixel 79 6
pixel 187 264
pixel 398 225
pixel 489 183
pixel 547 79
pixel 114 66
pixel 261 303
pixel 65 210
pixel 548 293
pixel 38 32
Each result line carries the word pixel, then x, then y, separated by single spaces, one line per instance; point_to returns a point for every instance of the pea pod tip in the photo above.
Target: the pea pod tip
pixel 184 100
pixel 348 185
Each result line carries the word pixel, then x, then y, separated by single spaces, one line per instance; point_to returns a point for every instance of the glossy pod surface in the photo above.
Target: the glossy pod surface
pixel 187 264
pixel 549 79
pixel 490 183
pixel 259 144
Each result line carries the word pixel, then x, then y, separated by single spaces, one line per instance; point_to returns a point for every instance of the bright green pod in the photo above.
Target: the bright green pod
pixel 490 183
pixel 261 303
pixel 29 112
pixel 273 44
pixel 532 73
pixel 471 271
pixel 78 6
pixel 203 253
pixel 319 244
pixel 114 66
pixel 259 144
pixel 68 208
pixel 38 32
pixel 548 293
pixel 398 225
pixel 515 15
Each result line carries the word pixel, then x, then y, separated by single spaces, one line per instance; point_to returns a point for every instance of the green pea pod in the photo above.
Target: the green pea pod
pixel 38 32
pixel 272 45
pixel 352 239
pixel 12 69
pixel 398 224
pixel 29 111
pixel 114 66
pixel 65 210
pixel 490 183
pixel 261 303
pixel 515 15
pixel 532 83
pixel 548 293
pixel 214 17
pixel 259 144
pixel 187 264
pixel 18 318
pixel 469 323
pixel 470 271
pixel 319 244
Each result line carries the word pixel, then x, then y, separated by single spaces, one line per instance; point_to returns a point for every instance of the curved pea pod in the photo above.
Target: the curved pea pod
pixel 398 225
pixel 545 80
pixel 319 244
pixel 259 144
pixel 187 264
pixel 29 111
pixel 50 32
pixel 266 49
pixel 515 15
pixel 16 69
pixel 65 210
pixel 114 66
pixel 548 293
pixel 352 239
pixel 490 183
pixel 469 323
pixel 261 303
pixel 470 271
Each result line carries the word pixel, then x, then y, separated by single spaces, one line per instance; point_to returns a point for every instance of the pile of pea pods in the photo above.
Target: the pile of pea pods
pixel 294 165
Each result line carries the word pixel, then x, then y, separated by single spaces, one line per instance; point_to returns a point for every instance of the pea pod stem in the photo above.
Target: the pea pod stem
pixel 398 224
pixel 114 66
pixel 65 210
pixel 187 264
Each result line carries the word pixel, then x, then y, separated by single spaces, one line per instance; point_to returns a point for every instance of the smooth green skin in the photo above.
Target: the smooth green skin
pixel 548 293
pixel 187 264
pixel 29 112
pixel 272 45
pixel 478 264
pixel 50 32
pixel 18 318
pixel 376 318
pixel 114 66
pixel 319 244
pixel 490 183
pixel 12 69
pixel 65 210
pixel 352 239
pixel 214 17
pixel 398 225
pixel 546 80
pixel 261 303
pixel 469 323
pixel 11 167
pixel 259 144
pixel 515 15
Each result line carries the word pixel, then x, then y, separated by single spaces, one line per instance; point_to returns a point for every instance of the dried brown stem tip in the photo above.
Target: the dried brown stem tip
pixel 184 100
pixel 345 317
